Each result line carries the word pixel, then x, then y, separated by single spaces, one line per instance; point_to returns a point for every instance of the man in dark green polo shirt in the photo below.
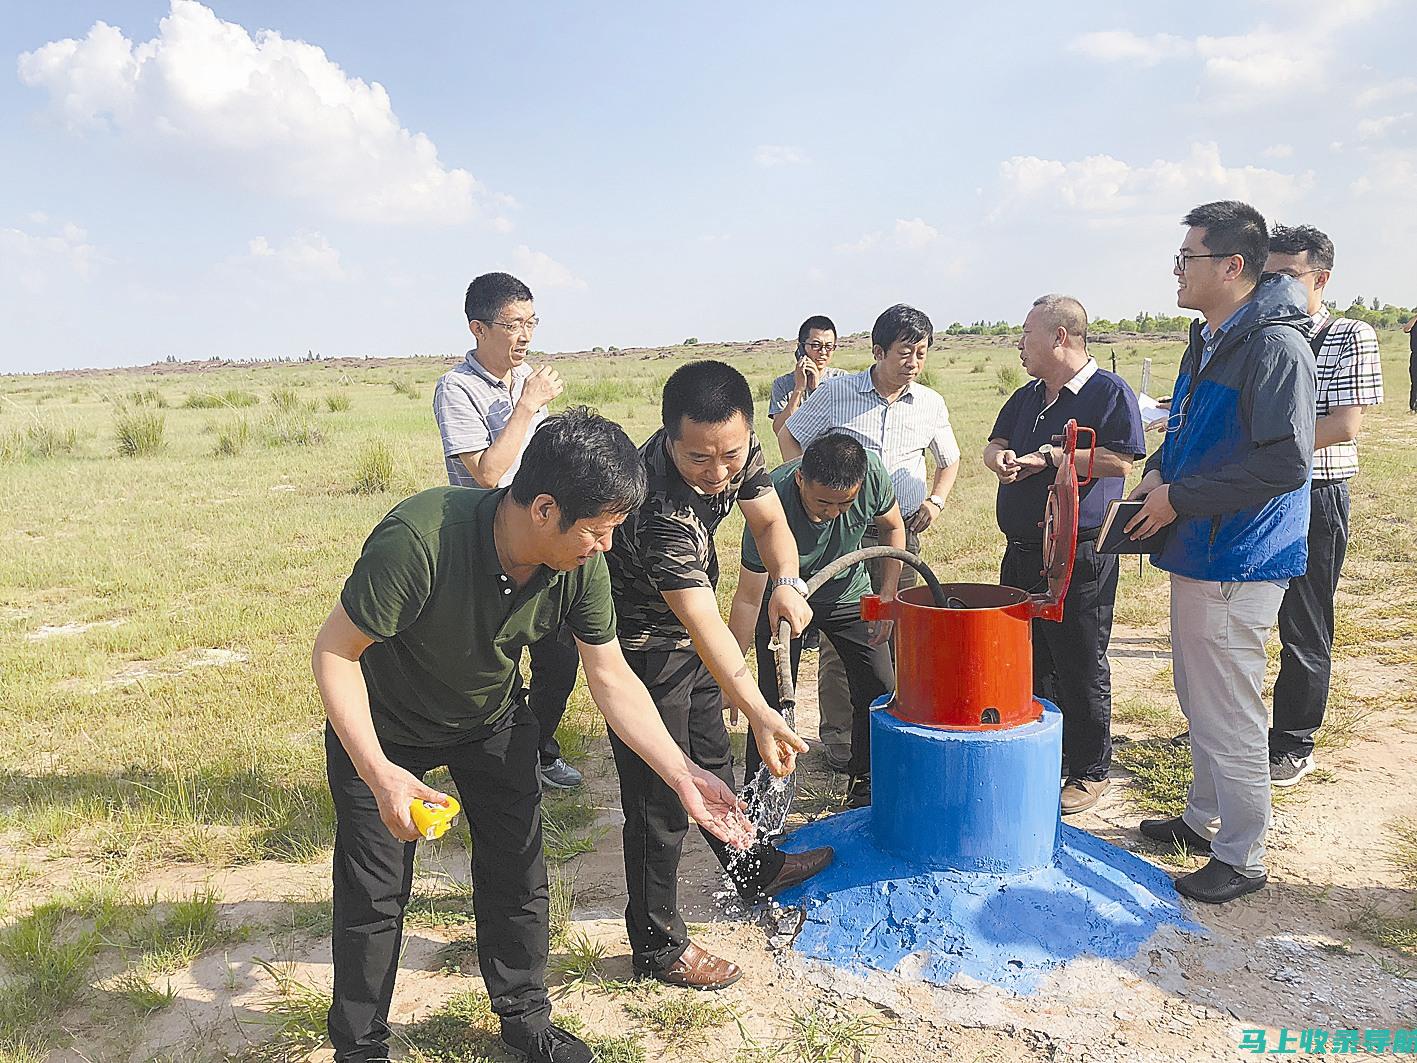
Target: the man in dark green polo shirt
pixel 831 496
pixel 417 667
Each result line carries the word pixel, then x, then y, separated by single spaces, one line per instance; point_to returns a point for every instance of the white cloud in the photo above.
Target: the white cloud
pixel 1387 90
pixel 912 234
pixel 1246 69
pixel 1123 46
pixel 304 255
pixel 37 263
pixel 915 233
pixel 1101 185
pixel 277 114
pixel 540 270
pixel 1376 128
pixel 771 155
pixel 1279 151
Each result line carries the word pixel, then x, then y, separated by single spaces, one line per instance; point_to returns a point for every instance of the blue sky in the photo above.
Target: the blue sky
pixel 256 179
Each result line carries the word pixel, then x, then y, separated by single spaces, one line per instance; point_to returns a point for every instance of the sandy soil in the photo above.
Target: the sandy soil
pixel 1282 958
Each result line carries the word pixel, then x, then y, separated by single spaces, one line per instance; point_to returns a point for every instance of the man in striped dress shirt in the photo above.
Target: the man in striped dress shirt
pixel 1350 376
pixel 899 419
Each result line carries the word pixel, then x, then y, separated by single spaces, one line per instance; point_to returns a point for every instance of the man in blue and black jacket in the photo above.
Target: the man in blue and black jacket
pixel 1231 481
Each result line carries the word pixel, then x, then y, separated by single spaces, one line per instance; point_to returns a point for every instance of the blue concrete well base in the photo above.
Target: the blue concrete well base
pixel 871 910
pixel 967 800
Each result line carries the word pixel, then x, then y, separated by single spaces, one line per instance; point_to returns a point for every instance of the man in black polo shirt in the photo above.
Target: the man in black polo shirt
pixel 417 667
pixel 1069 657
pixel 664 568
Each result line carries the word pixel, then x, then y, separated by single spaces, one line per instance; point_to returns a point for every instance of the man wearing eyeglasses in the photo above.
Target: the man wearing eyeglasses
pixel 899 419
pixel 1350 377
pixel 487 408
pixel 816 342
pixel 1230 480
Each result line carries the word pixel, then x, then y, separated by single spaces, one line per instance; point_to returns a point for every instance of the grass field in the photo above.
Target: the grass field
pixel 172 538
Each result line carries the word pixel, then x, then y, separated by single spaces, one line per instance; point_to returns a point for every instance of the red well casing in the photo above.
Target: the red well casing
pixel 970 666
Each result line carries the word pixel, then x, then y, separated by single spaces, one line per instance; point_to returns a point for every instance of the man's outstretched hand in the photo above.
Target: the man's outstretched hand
pixel 713 805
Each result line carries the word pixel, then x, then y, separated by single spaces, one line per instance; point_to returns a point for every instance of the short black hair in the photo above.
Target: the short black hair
pixel 1297 239
pixel 817 321
pixel 901 322
pixel 1233 228
pixel 585 462
pixel 836 460
pixel 487 294
pixel 705 392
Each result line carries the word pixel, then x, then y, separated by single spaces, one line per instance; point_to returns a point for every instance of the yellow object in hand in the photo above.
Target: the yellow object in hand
pixel 433 820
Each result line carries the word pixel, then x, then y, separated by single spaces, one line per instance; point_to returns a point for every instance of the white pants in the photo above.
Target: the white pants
pixel 1218 632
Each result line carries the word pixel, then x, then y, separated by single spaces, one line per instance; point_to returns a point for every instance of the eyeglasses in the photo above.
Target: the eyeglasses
pixel 1296 276
pixel 528 326
pixel 818 347
pixel 1183 258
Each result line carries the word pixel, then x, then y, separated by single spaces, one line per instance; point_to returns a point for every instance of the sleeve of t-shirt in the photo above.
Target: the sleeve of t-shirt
pixel 814 417
pixel 592 615
pixel 879 484
pixel 756 481
pixel 944 445
pixel 781 391
pixel 1008 417
pixel 390 582
pixel 460 423
pixel 1357 379
pixel 750 558
pixel 675 552
pixel 1121 430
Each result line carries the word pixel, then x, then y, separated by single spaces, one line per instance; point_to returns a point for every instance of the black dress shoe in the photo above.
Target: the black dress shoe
pixel 1218 882
pixel 858 791
pixel 798 868
pixel 549 1045
pixel 1175 831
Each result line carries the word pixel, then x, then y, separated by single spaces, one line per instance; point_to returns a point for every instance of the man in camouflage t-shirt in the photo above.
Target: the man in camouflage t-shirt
pixel 664 571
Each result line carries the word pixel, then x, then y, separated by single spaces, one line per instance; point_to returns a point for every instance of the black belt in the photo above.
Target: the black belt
pixel 1084 535
pixel 1314 485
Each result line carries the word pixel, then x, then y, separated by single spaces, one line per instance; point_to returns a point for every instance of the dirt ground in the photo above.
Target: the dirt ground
pixel 1283 958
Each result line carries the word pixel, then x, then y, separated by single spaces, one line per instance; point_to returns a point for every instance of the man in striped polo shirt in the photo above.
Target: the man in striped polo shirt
pixel 1350 376
pixel 898 419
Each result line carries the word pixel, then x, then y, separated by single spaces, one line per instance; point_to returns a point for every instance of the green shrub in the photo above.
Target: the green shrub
pixel 692 341
pixel 291 428
pixel 374 469
pixel 229 398
pixel 337 403
pixel 46 439
pixel 139 433
pixel 147 397
pixel 232 438
pixel 1010 379
pixel 286 400
pixel 406 387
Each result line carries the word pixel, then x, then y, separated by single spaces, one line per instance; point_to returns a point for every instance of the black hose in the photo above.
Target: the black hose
pixel 786 687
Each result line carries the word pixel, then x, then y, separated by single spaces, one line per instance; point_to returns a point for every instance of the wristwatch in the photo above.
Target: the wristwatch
pixel 795 582
pixel 1047 451
pixel 936 501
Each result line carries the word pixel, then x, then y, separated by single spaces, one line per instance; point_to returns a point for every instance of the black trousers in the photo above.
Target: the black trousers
pixel 1070 665
pixel 691 705
pixel 497 786
pixel 1412 376
pixel 554 663
pixel 1306 626
pixel 869 674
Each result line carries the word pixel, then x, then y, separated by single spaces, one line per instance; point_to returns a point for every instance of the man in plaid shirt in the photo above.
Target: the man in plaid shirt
pixel 1350 376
